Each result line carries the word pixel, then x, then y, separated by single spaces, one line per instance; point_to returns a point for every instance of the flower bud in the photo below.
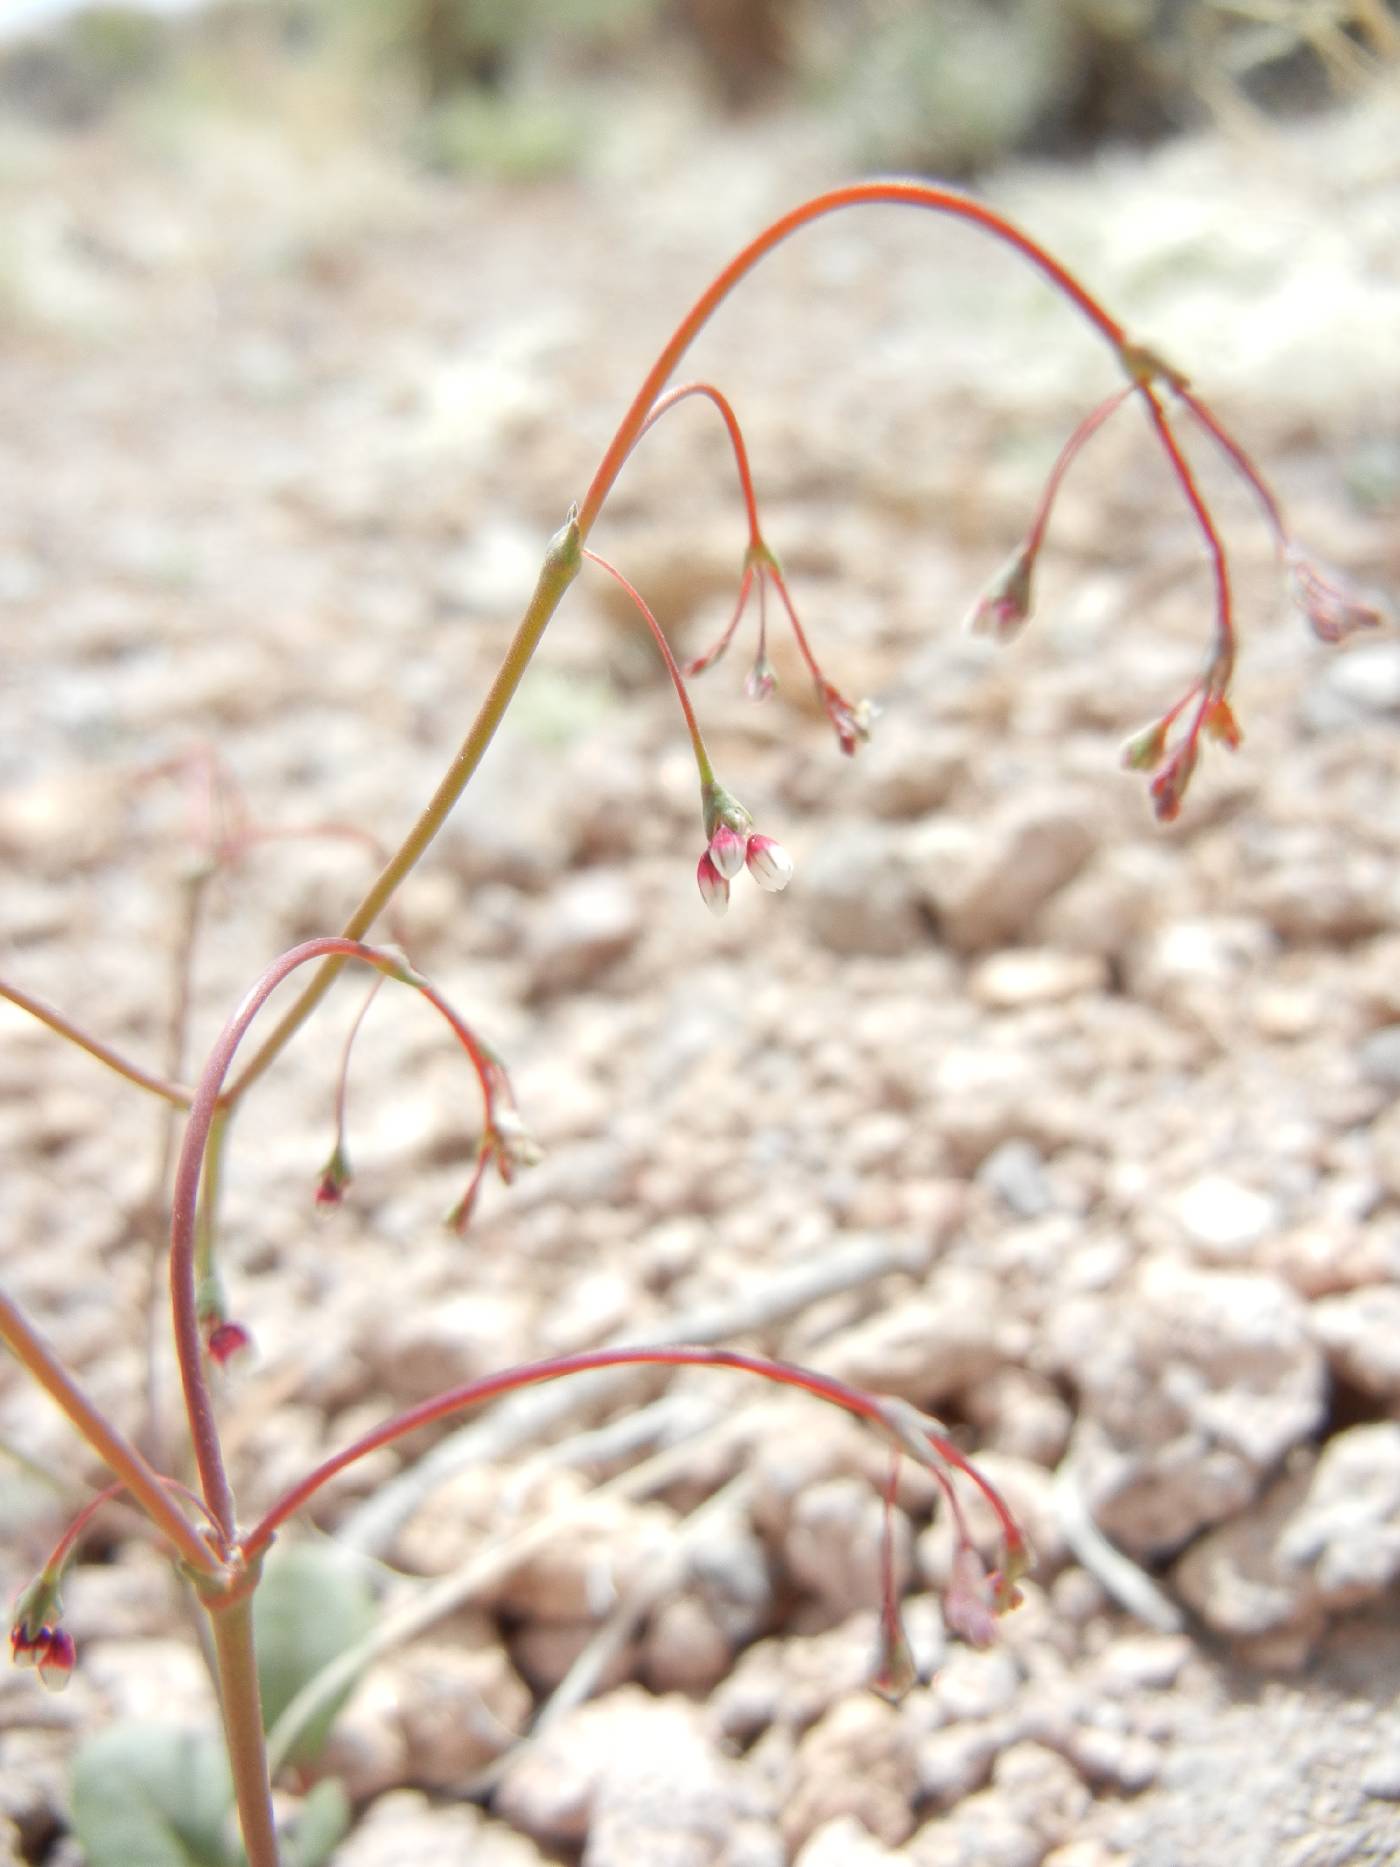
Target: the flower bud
pixel 1004 607
pixel 335 1177
pixel 726 851
pixel 760 680
pixel 714 889
pixel 1332 611
pixel 1168 788
pixel 969 1606
pixel 227 1342
pixel 1146 750
pixel 769 863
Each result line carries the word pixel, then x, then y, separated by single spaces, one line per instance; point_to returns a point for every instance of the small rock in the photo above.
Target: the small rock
pixel 1023 976
pixel 1224 1216
pixel 1379 1057
pixel 588 923
pixel 1019 860
pixel 1345 1536
pixel 858 897
pixel 1360 1333
pixel 846 1843
pixel 1015 1172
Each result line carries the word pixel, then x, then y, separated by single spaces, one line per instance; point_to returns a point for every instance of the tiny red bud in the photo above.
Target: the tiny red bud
pixel 1168 788
pixel 760 680
pixel 895 1673
pixel 1333 610
pixel 1004 607
pixel 227 1342
pixel 1146 750
pixel 1221 724
pixel 335 1177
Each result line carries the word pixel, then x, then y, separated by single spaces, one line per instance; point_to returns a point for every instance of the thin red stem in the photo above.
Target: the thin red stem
pixel 1065 459
pixel 731 422
pixel 1223 660
pixel 490 1387
pixel 658 634
pixel 856 194
pixel 199 1404
pixel 1273 511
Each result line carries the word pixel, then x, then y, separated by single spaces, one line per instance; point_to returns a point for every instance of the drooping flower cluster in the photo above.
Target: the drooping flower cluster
pixel 37 1637
pixel 49 1650
pixel 733 844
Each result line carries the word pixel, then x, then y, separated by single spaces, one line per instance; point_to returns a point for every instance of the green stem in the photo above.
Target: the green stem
pixel 560 567
pixel 115 1451
pixel 241 1705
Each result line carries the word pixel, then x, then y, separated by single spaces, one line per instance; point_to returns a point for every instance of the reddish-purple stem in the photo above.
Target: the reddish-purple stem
pixel 199 1404
pixel 490 1387
pixel 731 422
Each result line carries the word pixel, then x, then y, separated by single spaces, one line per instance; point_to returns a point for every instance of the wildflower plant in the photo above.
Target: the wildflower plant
pixel 200 1525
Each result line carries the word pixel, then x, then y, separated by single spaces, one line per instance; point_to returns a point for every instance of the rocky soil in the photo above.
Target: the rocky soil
pixel 1083 1134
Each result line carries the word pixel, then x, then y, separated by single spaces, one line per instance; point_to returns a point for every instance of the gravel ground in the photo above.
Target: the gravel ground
pixel 1081 1133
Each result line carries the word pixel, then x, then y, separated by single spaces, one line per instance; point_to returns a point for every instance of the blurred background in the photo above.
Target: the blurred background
pixel 314 316
pixel 527 87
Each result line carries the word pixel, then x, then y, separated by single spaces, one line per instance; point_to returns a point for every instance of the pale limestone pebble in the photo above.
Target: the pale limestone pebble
pixel 642 1761
pixel 956 1759
pixel 931 1346
pixel 11 1849
pixel 685 1649
pixel 404 1830
pixel 1113 901
pixel 857 1761
pixel 545 1650
pixel 1090 1852
pixel 420 1349
pixel 1345 1536
pixel 910 769
pixel 1120 1760
pixel 1135 1663
pixel 1233 1578
pixel 791 1682
pixel 1385 1145
pixel 980 1832
pixel 1015 1174
pixel 791 1458
pixel 856 895
pixel 846 1842
pixel 974 1686
pixel 584 1572
pixel 588 923
pixel 1324 1260
pixel 1198 963
pixel 1042 1789
pixel 1193 1384
pixel 1224 1217
pixel 834 1545
pixel 1021 976
pixel 985 889
pixel 1019 1413
pixel 367 1749
pixel 1318 887
pixel 149 1679
pixel 1360 1333
pixel 468 1506
pixel 460 1705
